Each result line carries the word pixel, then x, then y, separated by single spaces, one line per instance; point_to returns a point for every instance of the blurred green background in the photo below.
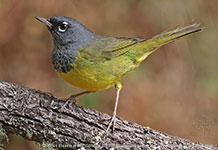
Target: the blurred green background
pixel 175 90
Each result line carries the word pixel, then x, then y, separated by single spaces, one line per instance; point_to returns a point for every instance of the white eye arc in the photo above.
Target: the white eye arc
pixel 63 27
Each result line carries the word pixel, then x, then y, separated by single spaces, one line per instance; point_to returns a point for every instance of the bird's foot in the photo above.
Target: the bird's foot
pixel 69 101
pixel 72 99
pixel 111 125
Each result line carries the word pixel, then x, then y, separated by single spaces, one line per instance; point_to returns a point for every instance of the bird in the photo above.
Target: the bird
pixel 95 62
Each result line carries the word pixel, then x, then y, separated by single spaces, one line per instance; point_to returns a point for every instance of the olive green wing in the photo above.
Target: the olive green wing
pixel 106 48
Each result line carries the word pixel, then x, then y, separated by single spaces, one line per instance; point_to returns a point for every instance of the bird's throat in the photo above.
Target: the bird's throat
pixel 62 60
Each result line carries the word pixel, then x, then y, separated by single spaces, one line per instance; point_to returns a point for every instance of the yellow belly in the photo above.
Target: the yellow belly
pixel 94 76
pixel 85 81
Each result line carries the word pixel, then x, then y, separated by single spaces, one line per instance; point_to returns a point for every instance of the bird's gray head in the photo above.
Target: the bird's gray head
pixel 67 30
pixel 69 37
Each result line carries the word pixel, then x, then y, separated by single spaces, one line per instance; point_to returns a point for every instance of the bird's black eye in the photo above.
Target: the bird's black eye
pixel 63 27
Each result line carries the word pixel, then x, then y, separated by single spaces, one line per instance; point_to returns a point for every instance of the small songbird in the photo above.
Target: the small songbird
pixel 94 62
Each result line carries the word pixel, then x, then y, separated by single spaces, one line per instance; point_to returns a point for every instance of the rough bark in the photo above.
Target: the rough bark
pixel 35 116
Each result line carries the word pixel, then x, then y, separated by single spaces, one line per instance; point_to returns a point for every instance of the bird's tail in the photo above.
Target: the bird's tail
pixel 151 45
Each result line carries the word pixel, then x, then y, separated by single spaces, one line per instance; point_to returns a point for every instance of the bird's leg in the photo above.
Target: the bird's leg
pixel 72 99
pixel 118 86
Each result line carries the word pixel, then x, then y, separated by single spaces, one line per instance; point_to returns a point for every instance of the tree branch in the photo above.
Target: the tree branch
pixel 35 116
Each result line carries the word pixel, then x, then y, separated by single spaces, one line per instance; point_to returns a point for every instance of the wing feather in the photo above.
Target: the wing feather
pixel 106 48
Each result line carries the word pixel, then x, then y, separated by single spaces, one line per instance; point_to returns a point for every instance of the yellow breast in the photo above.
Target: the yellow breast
pixel 94 76
pixel 85 80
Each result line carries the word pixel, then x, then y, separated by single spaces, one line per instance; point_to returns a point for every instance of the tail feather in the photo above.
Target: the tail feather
pixel 151 45
pixel 176 33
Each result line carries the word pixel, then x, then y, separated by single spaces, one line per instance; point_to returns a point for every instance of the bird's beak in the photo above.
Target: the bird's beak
pixel 45 21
